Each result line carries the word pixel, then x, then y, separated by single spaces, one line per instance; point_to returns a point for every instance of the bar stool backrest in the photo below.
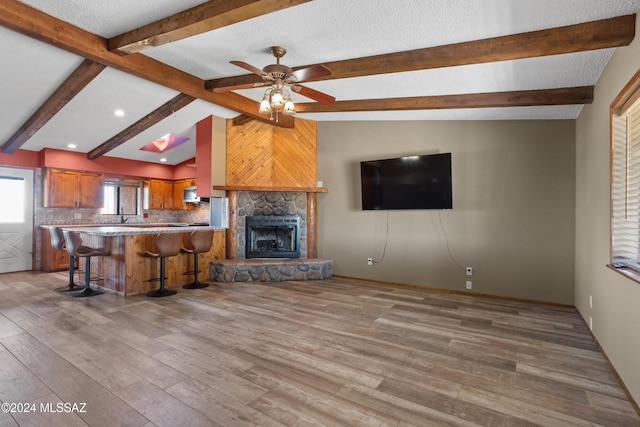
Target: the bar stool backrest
pixel 169 244
pixel 201 240
pixel 73 242
pixel 57 239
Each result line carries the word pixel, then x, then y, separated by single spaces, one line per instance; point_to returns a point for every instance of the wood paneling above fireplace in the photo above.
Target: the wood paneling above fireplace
pixel 261 155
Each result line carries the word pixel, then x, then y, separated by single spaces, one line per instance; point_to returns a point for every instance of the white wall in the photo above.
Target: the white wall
pixel 513 209
pixel 616 300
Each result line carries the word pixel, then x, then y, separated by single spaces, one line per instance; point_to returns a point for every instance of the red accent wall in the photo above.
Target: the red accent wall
pixel 22 158
pixel 184 170
pixel 53 158
pixel 204 136
pixel 113 165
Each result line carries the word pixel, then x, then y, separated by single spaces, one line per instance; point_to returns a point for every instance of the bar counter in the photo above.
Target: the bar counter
pixel 128 272
pixel 130 230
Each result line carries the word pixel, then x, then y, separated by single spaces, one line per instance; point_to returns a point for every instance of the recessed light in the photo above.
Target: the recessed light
pixel 163 159
pixel 72 146
pixel 119 113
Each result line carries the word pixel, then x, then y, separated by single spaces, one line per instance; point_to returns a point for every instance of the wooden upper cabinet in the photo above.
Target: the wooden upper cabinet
pixel 178 186
pixel 177 194
pixel 90 189
pixel 61 189
pixel 73 189
pixel 160 194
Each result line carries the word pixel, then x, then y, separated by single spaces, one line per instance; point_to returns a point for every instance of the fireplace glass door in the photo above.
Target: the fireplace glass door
pixel 272 237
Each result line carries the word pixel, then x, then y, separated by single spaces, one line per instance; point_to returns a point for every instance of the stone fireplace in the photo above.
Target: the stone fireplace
pixel 273 205
pixel 277 206
pixel 272 236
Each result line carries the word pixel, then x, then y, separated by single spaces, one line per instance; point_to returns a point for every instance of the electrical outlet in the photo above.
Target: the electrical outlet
pixel 469 284
pixel 369 261
pixel 469 271
pixel 77 215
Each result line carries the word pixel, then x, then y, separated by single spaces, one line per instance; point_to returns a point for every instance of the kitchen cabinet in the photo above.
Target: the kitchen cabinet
pixel 73 189
pixel 160 194
pixel 178 186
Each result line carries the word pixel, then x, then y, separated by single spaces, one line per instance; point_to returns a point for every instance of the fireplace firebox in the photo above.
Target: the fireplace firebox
pixel 272 237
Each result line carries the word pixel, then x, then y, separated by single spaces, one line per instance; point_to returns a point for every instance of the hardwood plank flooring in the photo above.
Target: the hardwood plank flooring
pixel 335 352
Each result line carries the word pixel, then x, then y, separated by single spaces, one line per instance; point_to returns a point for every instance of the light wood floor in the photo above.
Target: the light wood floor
pixel 318 353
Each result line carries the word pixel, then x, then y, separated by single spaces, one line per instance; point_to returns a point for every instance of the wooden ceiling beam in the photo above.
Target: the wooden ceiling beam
pixel 200 19
pixel 605 33
pixel 241 120
pixel 38 25
pixel 167 109
pixel 521 98
pixel 76 81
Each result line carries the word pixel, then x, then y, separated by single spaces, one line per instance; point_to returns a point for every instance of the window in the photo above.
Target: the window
pixel 625 176
pixel 13 192
pixel 122 198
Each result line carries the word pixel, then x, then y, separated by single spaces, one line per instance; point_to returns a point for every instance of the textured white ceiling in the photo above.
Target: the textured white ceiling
pixel 314 32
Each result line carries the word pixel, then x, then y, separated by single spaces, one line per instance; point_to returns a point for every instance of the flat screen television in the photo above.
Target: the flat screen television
pixel 410 182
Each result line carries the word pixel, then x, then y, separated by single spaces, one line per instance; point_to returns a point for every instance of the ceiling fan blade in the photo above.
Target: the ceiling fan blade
pixel 310 73
pixel 237 87
pixel 250 67
pixel 321 97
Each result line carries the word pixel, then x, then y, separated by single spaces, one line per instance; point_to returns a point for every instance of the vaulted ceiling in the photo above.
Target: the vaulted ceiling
pixel 68 65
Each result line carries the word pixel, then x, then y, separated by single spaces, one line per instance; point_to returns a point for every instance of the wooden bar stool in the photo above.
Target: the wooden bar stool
pixel 78 250
pixel 168 245
pixel 58 243
pixel 201 241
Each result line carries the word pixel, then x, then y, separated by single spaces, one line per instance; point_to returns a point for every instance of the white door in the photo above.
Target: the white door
pixel 16 219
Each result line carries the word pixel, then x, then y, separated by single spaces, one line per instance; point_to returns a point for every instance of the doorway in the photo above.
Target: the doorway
pixel 16 219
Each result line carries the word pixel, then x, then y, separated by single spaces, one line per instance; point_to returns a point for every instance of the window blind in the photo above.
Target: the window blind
pixel 625 187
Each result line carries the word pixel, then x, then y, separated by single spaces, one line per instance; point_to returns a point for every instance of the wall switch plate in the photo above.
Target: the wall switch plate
pixel 468 284
pixel 369 261
pixel 590 301
pixel 77 215
pixel 469 271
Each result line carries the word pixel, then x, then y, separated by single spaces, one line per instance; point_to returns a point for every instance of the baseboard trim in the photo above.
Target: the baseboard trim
pixel 457 291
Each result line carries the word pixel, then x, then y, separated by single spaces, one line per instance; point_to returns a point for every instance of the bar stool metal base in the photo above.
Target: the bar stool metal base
pixel 196 285
pixel 70 288
pixel 162 292
pixel 72 272
pixel 87 292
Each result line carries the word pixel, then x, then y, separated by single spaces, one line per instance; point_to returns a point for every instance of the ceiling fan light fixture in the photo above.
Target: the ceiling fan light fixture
pixel 289 108
pixel 265 106
pixel 277 100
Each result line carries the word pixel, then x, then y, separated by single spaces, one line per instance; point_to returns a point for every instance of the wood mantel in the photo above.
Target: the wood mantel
pixel 273 189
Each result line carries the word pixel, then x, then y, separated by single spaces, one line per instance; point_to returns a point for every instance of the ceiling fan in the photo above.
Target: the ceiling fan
pixel 279 76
